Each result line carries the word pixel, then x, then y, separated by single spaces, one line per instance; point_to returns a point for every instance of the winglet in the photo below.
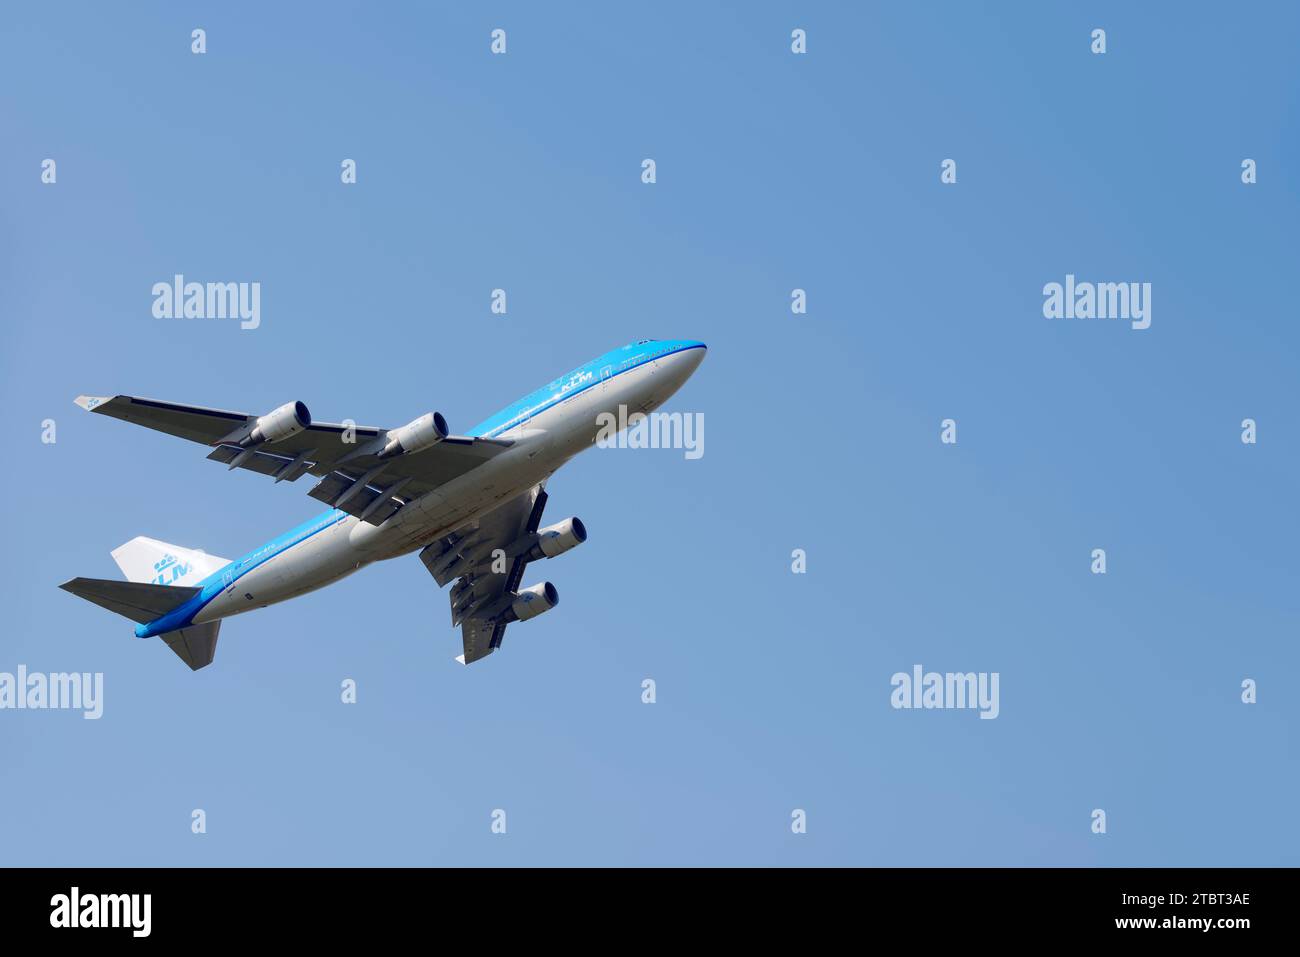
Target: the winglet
pixel 460 658
pixel 89 402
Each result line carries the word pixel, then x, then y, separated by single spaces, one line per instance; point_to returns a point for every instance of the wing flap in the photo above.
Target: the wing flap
pixel 264 463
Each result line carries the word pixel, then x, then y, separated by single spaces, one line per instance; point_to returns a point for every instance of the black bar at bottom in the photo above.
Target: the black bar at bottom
pixel 333 906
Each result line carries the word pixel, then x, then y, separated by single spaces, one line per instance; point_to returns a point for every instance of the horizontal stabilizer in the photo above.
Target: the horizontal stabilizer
pixel 138 601
pixel 196 645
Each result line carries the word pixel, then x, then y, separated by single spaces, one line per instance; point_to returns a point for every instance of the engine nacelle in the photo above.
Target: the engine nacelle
pixel 558 538
pixel 428 430
pixel 290 419
pixel 532 601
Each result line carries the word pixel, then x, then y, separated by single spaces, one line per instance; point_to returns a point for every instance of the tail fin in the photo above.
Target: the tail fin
pixel 144 602
pixel 158 563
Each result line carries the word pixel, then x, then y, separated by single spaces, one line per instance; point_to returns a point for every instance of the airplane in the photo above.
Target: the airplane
pixel 471 505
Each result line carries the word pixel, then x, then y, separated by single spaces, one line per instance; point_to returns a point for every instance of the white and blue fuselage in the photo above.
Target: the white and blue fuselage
pixel 548 427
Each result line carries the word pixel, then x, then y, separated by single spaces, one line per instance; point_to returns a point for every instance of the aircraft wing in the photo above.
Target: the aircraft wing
pixel 485 587
pixel 210 426
pixel 373 489
pixel 354 474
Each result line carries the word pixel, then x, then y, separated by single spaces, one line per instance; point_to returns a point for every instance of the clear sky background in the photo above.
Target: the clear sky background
pixel 775 171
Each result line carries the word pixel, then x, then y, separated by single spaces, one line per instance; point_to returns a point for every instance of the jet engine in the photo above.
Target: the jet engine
pixel 558 538
pixel 531 602
pixel 428 430
pixel 290 419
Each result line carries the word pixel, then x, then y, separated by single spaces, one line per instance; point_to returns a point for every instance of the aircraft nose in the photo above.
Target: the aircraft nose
pixel 692 355
pixel 677 367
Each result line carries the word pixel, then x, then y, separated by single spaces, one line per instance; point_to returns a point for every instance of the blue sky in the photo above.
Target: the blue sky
pixel 775 171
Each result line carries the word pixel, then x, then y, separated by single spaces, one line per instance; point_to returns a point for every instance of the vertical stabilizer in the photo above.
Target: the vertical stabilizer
pixel 158 563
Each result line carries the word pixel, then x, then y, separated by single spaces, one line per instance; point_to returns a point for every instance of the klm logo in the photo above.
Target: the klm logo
pixel 574 381
pixel 170 570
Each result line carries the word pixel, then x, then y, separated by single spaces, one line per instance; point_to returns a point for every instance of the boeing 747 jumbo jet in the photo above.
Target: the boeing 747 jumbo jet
pixel 471 505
